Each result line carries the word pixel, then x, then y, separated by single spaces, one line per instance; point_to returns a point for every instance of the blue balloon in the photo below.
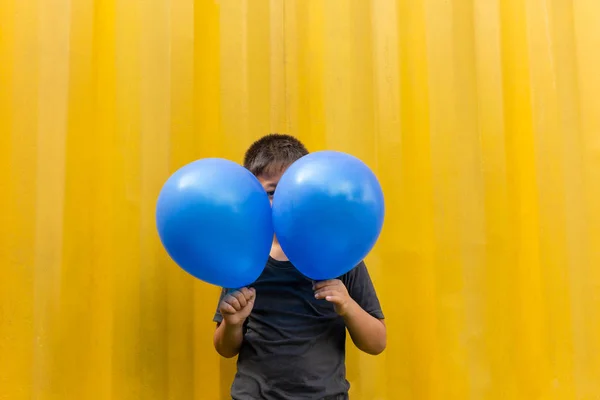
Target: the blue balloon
pixel 214 219
pixel 328 212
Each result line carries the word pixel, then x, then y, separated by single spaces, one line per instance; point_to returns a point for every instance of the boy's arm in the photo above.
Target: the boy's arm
pixel 229 335
pixel 355 299
pixel 368 333
pixel 228 339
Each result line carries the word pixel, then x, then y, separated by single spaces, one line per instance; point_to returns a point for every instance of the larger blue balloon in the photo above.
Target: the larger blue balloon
pixel 214 220
pixel 328 212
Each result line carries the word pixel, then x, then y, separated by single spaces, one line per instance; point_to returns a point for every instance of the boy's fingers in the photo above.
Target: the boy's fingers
pixel 248 293
pixel 322 287
pixel 334 299
pixel 321 294
pixel 326 289
pixel 241 299
pixel 331 296
pixel 231 300
pixel 322 284
pixel 226 308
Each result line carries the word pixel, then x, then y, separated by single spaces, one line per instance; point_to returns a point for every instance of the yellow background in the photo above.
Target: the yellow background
pixel 481 118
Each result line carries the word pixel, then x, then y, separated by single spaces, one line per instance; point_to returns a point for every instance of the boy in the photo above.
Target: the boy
pixel 289 331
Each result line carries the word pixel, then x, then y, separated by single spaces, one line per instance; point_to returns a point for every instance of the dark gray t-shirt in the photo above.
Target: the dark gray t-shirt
pixel 294 344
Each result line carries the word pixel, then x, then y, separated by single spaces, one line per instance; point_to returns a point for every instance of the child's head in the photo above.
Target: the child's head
pixel 270 156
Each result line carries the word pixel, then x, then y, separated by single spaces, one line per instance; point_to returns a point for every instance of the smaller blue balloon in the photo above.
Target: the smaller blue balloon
pixel 328 213
pixel 214 219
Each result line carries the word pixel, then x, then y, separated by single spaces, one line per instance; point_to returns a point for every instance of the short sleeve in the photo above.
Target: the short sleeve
pixel 218 317
pixel 361 289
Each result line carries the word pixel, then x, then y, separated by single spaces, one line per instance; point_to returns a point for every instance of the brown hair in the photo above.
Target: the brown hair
pixel 273 152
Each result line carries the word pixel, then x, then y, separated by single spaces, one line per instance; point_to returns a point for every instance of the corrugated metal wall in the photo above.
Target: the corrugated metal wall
pixel 481 118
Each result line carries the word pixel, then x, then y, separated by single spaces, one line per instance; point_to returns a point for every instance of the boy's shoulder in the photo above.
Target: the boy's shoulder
pixel 358 273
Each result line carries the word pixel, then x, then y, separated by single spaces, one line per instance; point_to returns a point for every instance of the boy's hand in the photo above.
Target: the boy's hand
pixel 335 292
pixel 236 306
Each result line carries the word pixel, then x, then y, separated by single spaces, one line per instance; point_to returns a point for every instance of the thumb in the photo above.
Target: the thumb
pixel 334 299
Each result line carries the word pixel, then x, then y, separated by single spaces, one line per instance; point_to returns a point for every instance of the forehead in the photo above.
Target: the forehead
pixel 270 178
